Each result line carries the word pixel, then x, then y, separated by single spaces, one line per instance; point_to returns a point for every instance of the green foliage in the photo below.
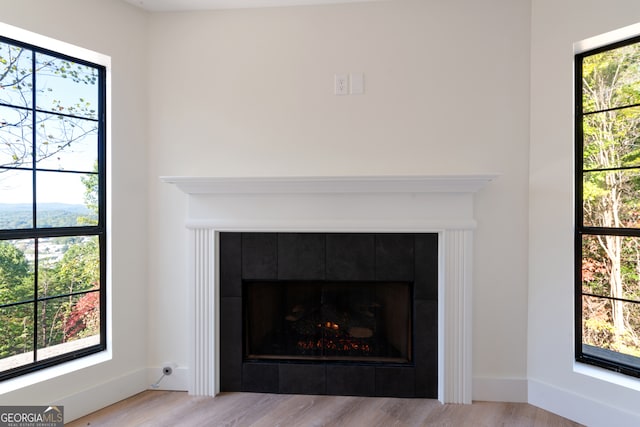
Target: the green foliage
pixel 61 319
pixel 79 269
pixel 13 265
pixel 599 332
pixel 14 275
pixel 594 187
pixel 91 199
pixel 610 78
pixel 611 144
pixel 16 330
pixel 15 285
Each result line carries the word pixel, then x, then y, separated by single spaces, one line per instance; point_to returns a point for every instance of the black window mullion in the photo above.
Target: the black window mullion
pixel 587 294
pixel 617 169
pixel 606 110
pixel 34 193
pixel 35 301
pixel 578 212
pixel 102 152
pixel 70 294
pixel 606 231
pixel 102 247
pixel 33 138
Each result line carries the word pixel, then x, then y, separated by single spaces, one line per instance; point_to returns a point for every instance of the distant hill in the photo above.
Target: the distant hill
pixel 19 215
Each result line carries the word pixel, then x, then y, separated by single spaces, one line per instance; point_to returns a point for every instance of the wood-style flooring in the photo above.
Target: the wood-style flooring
pixel 170 408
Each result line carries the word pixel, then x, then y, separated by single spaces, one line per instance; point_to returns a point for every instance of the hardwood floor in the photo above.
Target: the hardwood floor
pixel 170 408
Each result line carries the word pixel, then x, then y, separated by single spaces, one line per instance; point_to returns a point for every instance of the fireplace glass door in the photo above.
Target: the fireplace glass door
pixel 341 321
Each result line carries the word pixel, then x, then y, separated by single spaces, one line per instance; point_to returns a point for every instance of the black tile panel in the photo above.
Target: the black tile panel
pixel 260 377
pixel 426 348
pixel 302 378
pixel 301 256
pixel 426 267
pixel 394 257
pixel 395 381
pixel 350 256
pixel 231 344
pixel 351 380
pixel 259 256
pixel 230 247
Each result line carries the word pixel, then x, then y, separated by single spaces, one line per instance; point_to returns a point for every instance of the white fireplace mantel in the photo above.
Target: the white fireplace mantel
pixel 331 184
pixel 436 203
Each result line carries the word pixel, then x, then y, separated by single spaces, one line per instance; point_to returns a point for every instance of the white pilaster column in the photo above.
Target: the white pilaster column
pixel 204 313
pixel 455 369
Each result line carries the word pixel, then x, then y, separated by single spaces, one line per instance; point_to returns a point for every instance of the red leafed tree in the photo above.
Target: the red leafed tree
pixel 84 318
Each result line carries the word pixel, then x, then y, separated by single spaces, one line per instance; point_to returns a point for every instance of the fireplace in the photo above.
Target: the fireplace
pixel 328 321
pixel 441 204
pixel 303 312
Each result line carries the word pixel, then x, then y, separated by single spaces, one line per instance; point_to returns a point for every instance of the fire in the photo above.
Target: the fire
pixel 339 344
pixel 329 325
pixel 336 340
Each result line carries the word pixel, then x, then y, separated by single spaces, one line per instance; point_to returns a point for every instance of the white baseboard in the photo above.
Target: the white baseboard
pixel 97 397
pixel 499 389
pixel 579 408
pixel 177 381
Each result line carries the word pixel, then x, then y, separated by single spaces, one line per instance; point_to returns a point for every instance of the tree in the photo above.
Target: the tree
pixel 55 131
pixel 14 274
pixel 91 200
pixel 611 80
pixel 84 319
pixel 16 285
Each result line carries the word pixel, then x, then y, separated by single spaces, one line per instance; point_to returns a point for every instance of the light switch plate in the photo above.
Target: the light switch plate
pixel 357 83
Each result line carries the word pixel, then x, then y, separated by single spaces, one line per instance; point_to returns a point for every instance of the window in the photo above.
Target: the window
pixel 607 240
pixel 52 208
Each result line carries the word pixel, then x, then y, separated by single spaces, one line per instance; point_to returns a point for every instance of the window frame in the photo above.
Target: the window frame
pixel 98 230
pixel 603 358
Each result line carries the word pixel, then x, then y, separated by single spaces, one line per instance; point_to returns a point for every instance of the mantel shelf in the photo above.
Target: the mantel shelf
pixel 331 184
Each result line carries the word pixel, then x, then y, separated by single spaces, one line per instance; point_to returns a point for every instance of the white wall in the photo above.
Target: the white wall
pixel 553 384
pixel 120 31
pixel 250 93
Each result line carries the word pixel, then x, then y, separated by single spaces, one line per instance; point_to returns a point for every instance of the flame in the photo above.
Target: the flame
pixel 329 325
pixel 342 344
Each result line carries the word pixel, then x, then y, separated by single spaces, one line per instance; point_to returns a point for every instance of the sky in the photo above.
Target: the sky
pixel 58 92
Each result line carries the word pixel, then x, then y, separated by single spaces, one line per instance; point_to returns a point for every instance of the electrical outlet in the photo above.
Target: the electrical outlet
pixel 341 84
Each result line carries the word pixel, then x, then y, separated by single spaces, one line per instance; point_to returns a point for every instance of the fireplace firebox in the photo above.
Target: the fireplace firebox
pixel 329 313
pixel 330 321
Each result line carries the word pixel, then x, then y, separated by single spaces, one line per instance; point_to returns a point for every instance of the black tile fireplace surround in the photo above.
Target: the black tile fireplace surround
pixel 330 258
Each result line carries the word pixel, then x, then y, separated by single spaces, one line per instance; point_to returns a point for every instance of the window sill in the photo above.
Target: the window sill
pixel 607 375
pixel 54 372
